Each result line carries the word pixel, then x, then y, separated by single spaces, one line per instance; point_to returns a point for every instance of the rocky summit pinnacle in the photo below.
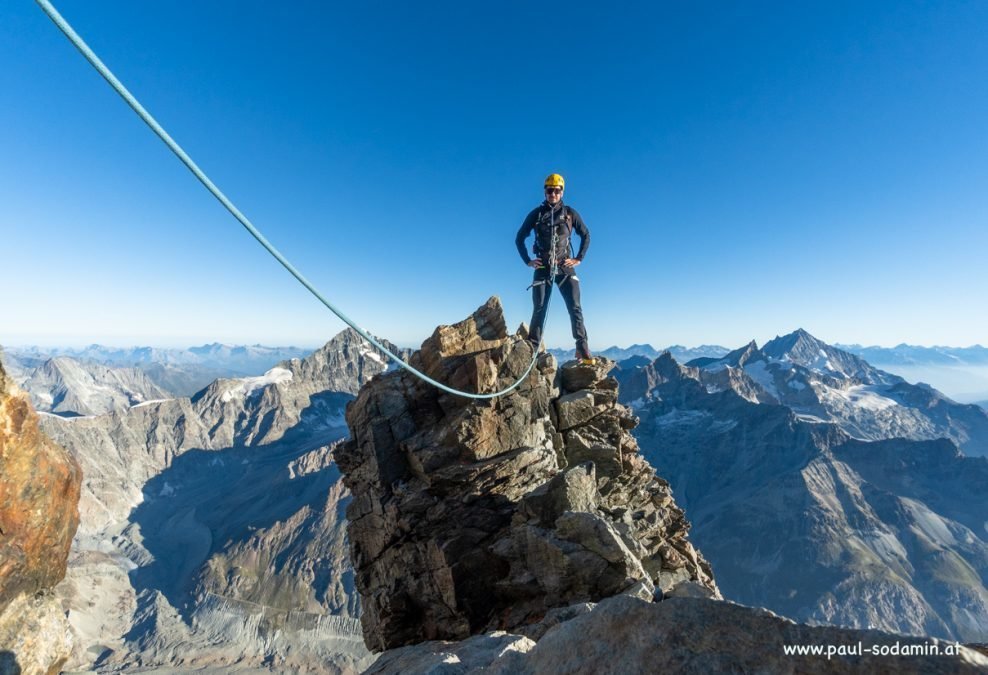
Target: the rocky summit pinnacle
pixel 476 515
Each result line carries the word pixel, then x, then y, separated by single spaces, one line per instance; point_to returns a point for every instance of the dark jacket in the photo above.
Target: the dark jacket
pixel 541 220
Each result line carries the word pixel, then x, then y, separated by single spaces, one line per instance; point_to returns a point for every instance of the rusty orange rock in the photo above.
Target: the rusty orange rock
pixel 39 500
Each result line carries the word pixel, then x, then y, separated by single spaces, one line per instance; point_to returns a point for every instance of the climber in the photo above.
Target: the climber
pixel 554 223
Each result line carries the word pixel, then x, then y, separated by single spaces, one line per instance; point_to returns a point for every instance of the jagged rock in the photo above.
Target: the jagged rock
pixel 463 519
pixel 576 376
pixel 574 489
pixel 575 409
pixel 39 514
pixel 624 634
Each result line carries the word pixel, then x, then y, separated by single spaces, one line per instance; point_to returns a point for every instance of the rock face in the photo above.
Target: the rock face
pixel 39 513
pixel 212 528
pixel 799 517
pixel 474 515
pixel 65 386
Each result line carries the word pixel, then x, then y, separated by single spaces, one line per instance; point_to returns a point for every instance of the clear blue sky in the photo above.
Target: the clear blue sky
pixel 745 168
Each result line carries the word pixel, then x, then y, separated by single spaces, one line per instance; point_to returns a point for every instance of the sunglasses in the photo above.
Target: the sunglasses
pixel 553 190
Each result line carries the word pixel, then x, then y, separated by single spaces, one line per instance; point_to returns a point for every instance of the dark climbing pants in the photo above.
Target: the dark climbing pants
pixel 569 286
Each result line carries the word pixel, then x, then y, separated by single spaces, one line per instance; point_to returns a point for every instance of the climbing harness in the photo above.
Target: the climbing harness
pixel 554 262
pixel 95 61
pixel 553 266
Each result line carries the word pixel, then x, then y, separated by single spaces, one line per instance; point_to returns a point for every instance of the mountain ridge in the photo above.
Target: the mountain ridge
pixel 823 383
pixel 769 484
pixel 212 526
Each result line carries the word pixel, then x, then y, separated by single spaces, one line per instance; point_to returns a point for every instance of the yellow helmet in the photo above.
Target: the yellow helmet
pixel 555 180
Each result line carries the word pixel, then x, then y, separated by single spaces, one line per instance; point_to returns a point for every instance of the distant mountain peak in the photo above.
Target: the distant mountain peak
pixel 346 338
pixel 665 360
pixel 799 343
pixel 738 357
pixel 803 349
pixel 667 367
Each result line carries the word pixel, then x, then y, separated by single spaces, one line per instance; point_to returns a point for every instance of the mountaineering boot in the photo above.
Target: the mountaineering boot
pixel 583 354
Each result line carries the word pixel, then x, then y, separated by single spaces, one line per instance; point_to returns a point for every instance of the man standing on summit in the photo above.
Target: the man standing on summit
pixel 554 224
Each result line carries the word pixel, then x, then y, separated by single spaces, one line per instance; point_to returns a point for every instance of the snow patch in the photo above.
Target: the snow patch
pixel 154 400
pixel 812 419
pixel 864 396
pixel 784 364
pixel 823 365
pixel 763 377
pixel 374 357
pixel 366 351
pixel 248 385
pixel 167 490
pixel 682 417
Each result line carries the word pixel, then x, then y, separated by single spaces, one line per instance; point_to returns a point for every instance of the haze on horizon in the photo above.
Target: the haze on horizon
pixel 61 342
pixel 744 172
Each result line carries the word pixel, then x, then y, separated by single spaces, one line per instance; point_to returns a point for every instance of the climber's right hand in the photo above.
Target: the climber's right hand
pixel 535 263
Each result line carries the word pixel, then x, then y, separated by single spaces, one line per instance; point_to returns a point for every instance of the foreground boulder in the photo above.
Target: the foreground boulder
pixel 685 635
pixel 478 515
pixel 39 514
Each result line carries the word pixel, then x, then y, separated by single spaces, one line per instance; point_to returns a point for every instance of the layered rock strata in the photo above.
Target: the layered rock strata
pixel 475 515
pixel 39 514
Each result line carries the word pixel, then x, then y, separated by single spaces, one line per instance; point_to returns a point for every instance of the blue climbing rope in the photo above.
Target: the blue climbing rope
pixel 95 61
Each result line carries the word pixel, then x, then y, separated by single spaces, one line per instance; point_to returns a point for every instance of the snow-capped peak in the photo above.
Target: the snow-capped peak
pixel 802 349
